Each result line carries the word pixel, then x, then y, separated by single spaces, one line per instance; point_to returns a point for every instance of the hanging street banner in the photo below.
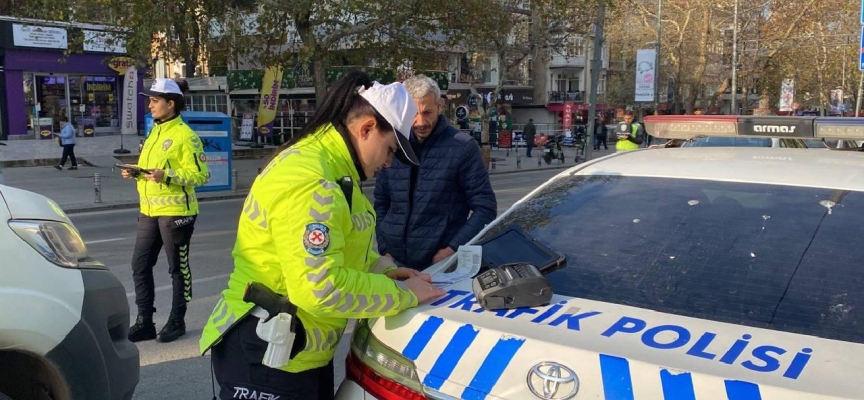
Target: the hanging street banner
pixel 269 100
pixel 129 118
pixel 645 70
pixel 787 95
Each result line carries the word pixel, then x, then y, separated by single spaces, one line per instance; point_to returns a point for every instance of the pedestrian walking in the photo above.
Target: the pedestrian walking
pixel 529 132
pixel 306 232
pixel 67 142
pixel 172 164
pixel 426 212
pixel 600 133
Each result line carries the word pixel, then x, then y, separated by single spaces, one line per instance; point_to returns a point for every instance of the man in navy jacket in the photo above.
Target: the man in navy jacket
pixel 426 213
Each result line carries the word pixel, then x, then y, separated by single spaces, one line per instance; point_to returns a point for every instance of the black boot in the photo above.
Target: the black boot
pixel 144 329
pixel 173 329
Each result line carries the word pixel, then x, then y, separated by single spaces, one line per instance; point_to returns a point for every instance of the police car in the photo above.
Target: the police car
pixel 692 273
pixel 63 316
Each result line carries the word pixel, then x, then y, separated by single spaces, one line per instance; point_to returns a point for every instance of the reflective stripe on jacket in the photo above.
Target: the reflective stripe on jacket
pixel 175 148
pixel 298 237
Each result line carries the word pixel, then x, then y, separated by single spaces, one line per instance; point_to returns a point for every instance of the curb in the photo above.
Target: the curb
pixel 240 194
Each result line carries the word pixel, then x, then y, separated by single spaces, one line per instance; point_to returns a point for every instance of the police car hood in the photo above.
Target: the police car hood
pixel 23 204
pixel 594 350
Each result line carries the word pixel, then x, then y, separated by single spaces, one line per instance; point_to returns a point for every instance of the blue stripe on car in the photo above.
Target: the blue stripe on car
pixel 492 368
pixel 615 372
pixel 740 390
pixel 451 355
pixel 677 386
pixel 421 339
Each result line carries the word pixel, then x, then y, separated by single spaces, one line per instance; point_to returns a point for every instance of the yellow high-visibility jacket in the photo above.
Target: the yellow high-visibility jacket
pixel 298 236
pixel 175 148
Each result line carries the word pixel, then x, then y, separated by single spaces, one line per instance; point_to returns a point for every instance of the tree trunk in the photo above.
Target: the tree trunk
pixel 320 80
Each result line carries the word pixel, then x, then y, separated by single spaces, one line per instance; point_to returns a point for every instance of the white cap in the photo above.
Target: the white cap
pixel 162 86
pixel 397 107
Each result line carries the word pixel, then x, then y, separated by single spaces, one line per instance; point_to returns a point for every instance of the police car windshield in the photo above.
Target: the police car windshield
pixel 728 142
pixel 767 256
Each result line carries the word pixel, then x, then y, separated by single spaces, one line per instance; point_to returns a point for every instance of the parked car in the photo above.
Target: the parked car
pixel 64 317
pixel 706 273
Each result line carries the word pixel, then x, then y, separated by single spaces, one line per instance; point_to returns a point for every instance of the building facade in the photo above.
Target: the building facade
pixel 51 70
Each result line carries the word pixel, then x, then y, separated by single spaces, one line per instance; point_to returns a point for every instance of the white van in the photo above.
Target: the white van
pixel 63 316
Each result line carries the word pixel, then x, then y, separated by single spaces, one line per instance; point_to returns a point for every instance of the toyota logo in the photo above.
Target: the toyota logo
pixel 552 381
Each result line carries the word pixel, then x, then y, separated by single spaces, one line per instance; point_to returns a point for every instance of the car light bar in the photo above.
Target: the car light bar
pixel 690 126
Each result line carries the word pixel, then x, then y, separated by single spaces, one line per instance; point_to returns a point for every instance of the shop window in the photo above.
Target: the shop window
pixel 98 95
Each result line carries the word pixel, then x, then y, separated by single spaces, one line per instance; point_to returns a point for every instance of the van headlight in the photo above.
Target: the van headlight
pixel 58 242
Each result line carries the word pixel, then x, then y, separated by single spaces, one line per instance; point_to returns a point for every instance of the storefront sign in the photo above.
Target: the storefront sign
pixel 567 120
pixel 93 87
pixel 45 127
pixel 129 125
pixel 39 36
pixel 121 64
pixel 86 125
pixel 105 42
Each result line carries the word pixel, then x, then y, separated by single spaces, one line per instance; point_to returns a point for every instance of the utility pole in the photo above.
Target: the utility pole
pixel 657 59
pixel 733 109
pixel 597 63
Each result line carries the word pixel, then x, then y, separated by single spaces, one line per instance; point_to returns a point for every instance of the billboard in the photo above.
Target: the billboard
pixel 645 71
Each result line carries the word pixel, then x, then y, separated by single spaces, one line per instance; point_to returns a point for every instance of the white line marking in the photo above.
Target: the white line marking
pixel 105 240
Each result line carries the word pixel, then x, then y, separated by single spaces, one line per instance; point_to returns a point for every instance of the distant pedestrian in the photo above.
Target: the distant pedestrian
pixel 600 133
pixel 173 164
pixel 67 141
pixel 530 131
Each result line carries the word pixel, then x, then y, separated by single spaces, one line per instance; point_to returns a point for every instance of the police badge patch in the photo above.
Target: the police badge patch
pixel 316 239
pixel 167 144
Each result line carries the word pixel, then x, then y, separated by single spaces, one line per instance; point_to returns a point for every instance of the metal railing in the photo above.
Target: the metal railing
pixel 560 97
pixel 285 126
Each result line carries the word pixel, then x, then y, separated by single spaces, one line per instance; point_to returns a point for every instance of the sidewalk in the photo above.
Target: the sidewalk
pixel 29 153
pixel 74 191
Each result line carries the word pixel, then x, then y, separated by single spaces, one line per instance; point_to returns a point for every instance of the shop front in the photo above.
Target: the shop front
pixel 42 84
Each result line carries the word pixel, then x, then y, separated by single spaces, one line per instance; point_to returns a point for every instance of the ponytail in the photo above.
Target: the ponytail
pixel 340 102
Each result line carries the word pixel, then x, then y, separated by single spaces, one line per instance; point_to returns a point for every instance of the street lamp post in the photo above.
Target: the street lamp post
pixel 657 60
pixel 733 109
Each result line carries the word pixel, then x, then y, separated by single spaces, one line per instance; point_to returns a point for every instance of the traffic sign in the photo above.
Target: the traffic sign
pixel 461 113
pixel 861 48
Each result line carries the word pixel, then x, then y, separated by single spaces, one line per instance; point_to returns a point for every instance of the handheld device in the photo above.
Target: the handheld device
pixel 512 286
pixel 277 321
pixel 624 129
pixel 133 169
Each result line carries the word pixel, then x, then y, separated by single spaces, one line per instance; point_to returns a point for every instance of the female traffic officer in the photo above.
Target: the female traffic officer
pixel 305 237
pixel 173 163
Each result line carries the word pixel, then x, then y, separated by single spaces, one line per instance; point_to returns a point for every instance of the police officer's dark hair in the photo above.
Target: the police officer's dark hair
pixel 341 105
pixel 178 99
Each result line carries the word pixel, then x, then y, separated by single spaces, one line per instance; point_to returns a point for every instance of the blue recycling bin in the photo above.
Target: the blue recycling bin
pixel 214 129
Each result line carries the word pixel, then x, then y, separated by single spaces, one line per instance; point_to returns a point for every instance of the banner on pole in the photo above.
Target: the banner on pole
pixel 129 118
pixel 787 95
pixel 645 70
pixel 269 100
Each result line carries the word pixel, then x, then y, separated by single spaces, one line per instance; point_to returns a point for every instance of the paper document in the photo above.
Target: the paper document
pixel 468 262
